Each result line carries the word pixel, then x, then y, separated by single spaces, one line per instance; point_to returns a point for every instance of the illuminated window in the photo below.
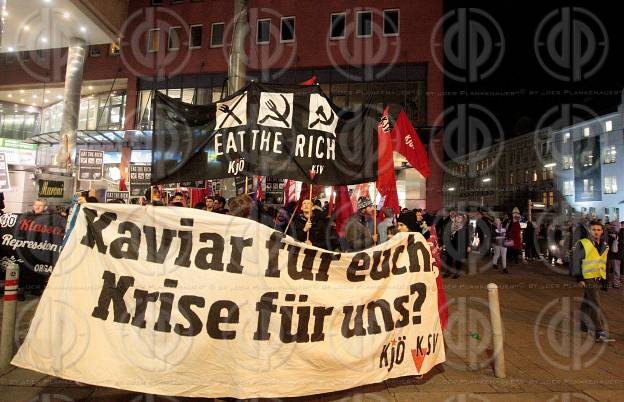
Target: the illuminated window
pixel 609 154
pixel 608 125
pixel 610 185
pixel 153 40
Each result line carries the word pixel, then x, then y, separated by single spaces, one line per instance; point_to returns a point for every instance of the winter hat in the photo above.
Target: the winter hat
pixel 409 220
pixel 364 202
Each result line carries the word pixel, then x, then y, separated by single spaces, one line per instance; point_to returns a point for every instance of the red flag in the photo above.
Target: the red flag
pixel 259 191
pixel 386 180
pixel 343 208
pixel 309 81
pixel 122 185
pixel 289 192
pixel 406 142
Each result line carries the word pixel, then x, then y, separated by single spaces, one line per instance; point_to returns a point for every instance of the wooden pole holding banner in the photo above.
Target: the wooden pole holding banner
pixel 375 214
pixel 309 216
pixel 246 185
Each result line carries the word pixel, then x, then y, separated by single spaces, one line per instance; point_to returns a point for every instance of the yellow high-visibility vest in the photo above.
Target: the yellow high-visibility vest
pixel 594 265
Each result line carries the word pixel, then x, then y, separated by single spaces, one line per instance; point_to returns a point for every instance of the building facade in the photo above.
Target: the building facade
pixel 355 49
pixel 571 170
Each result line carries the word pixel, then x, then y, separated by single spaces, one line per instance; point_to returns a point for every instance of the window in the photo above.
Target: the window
pixel 157 2
pixel 586 132
pixel 608 125
pixel 588 186
pixel 526 176
pixel 114 47
pixel 196 34
pixel 176 1
pixel 153 36
pixel 364 24
pixel 174 38
pixel 610 185
pixel 263 32
pixel 616 213
pixel 391 22
pixel 216 34
pixel 566 137
pixel 609 154
pixel 534 176
pixel 95 51
pixel 287 29
pixel 587 158
pixel 511 179
pixel 337 26
pixel 568 187
pixel 567 162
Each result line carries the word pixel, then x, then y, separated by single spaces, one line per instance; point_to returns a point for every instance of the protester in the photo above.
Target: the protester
pixel 459 245
pixel 382 227
pixel 200 205
pixel 309 226
pixel 406 222
pixel 614 256
pixel 391 231
pixel 500 251
pixel 359 230
pixel 219 205
pixel 39 206
pixel 240 206
pixel 421 223
pixel 483 231
pixel 528 236
pixel 589 267
pixel 514 234
pixel 209 200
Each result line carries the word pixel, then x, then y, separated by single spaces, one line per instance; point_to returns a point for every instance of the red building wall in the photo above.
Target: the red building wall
pixel 311 49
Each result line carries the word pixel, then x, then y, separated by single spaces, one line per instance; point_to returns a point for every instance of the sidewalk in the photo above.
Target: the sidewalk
pixel 547 357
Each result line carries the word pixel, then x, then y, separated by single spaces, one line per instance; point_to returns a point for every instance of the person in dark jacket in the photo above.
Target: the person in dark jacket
pixel 528 236
pixel 421 223
pixel 458 246
pixel 359 230
pixel 312 221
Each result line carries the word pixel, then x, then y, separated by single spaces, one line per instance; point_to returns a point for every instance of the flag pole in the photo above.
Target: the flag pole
pixel 290 220
pixel 246 184
pixel 309 216
pixel 375 214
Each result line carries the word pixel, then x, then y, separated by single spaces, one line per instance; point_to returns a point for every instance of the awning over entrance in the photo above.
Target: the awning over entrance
pixel 134 139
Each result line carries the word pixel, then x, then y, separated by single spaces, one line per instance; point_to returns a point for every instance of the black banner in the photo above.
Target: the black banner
pixel 33 242
pixel 290 132
pixel 587 170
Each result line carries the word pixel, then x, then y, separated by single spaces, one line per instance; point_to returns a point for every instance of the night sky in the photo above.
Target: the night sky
pixel 584 65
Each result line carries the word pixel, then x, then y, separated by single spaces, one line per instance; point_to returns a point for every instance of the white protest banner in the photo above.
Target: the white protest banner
pixel 183 302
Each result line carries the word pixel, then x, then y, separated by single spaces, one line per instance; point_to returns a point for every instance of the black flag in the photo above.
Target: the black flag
pixel 292 132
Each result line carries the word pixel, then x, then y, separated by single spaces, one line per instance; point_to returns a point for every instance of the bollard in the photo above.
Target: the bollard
pixel 8 315
pixel 497 331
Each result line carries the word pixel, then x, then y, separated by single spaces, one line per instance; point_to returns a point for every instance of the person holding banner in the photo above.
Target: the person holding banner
pixel 360 227
pixel 310 220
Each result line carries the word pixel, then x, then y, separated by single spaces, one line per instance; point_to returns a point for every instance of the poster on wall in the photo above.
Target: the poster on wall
pixel 91 164
pixel 118 195
pixel 139 179
pixel 5 182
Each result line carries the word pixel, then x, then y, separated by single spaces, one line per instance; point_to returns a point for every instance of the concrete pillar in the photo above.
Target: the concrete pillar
pixel 238 59
pixel 71 102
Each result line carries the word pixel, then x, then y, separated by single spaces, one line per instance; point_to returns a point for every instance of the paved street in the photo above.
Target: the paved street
pixel 547 357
